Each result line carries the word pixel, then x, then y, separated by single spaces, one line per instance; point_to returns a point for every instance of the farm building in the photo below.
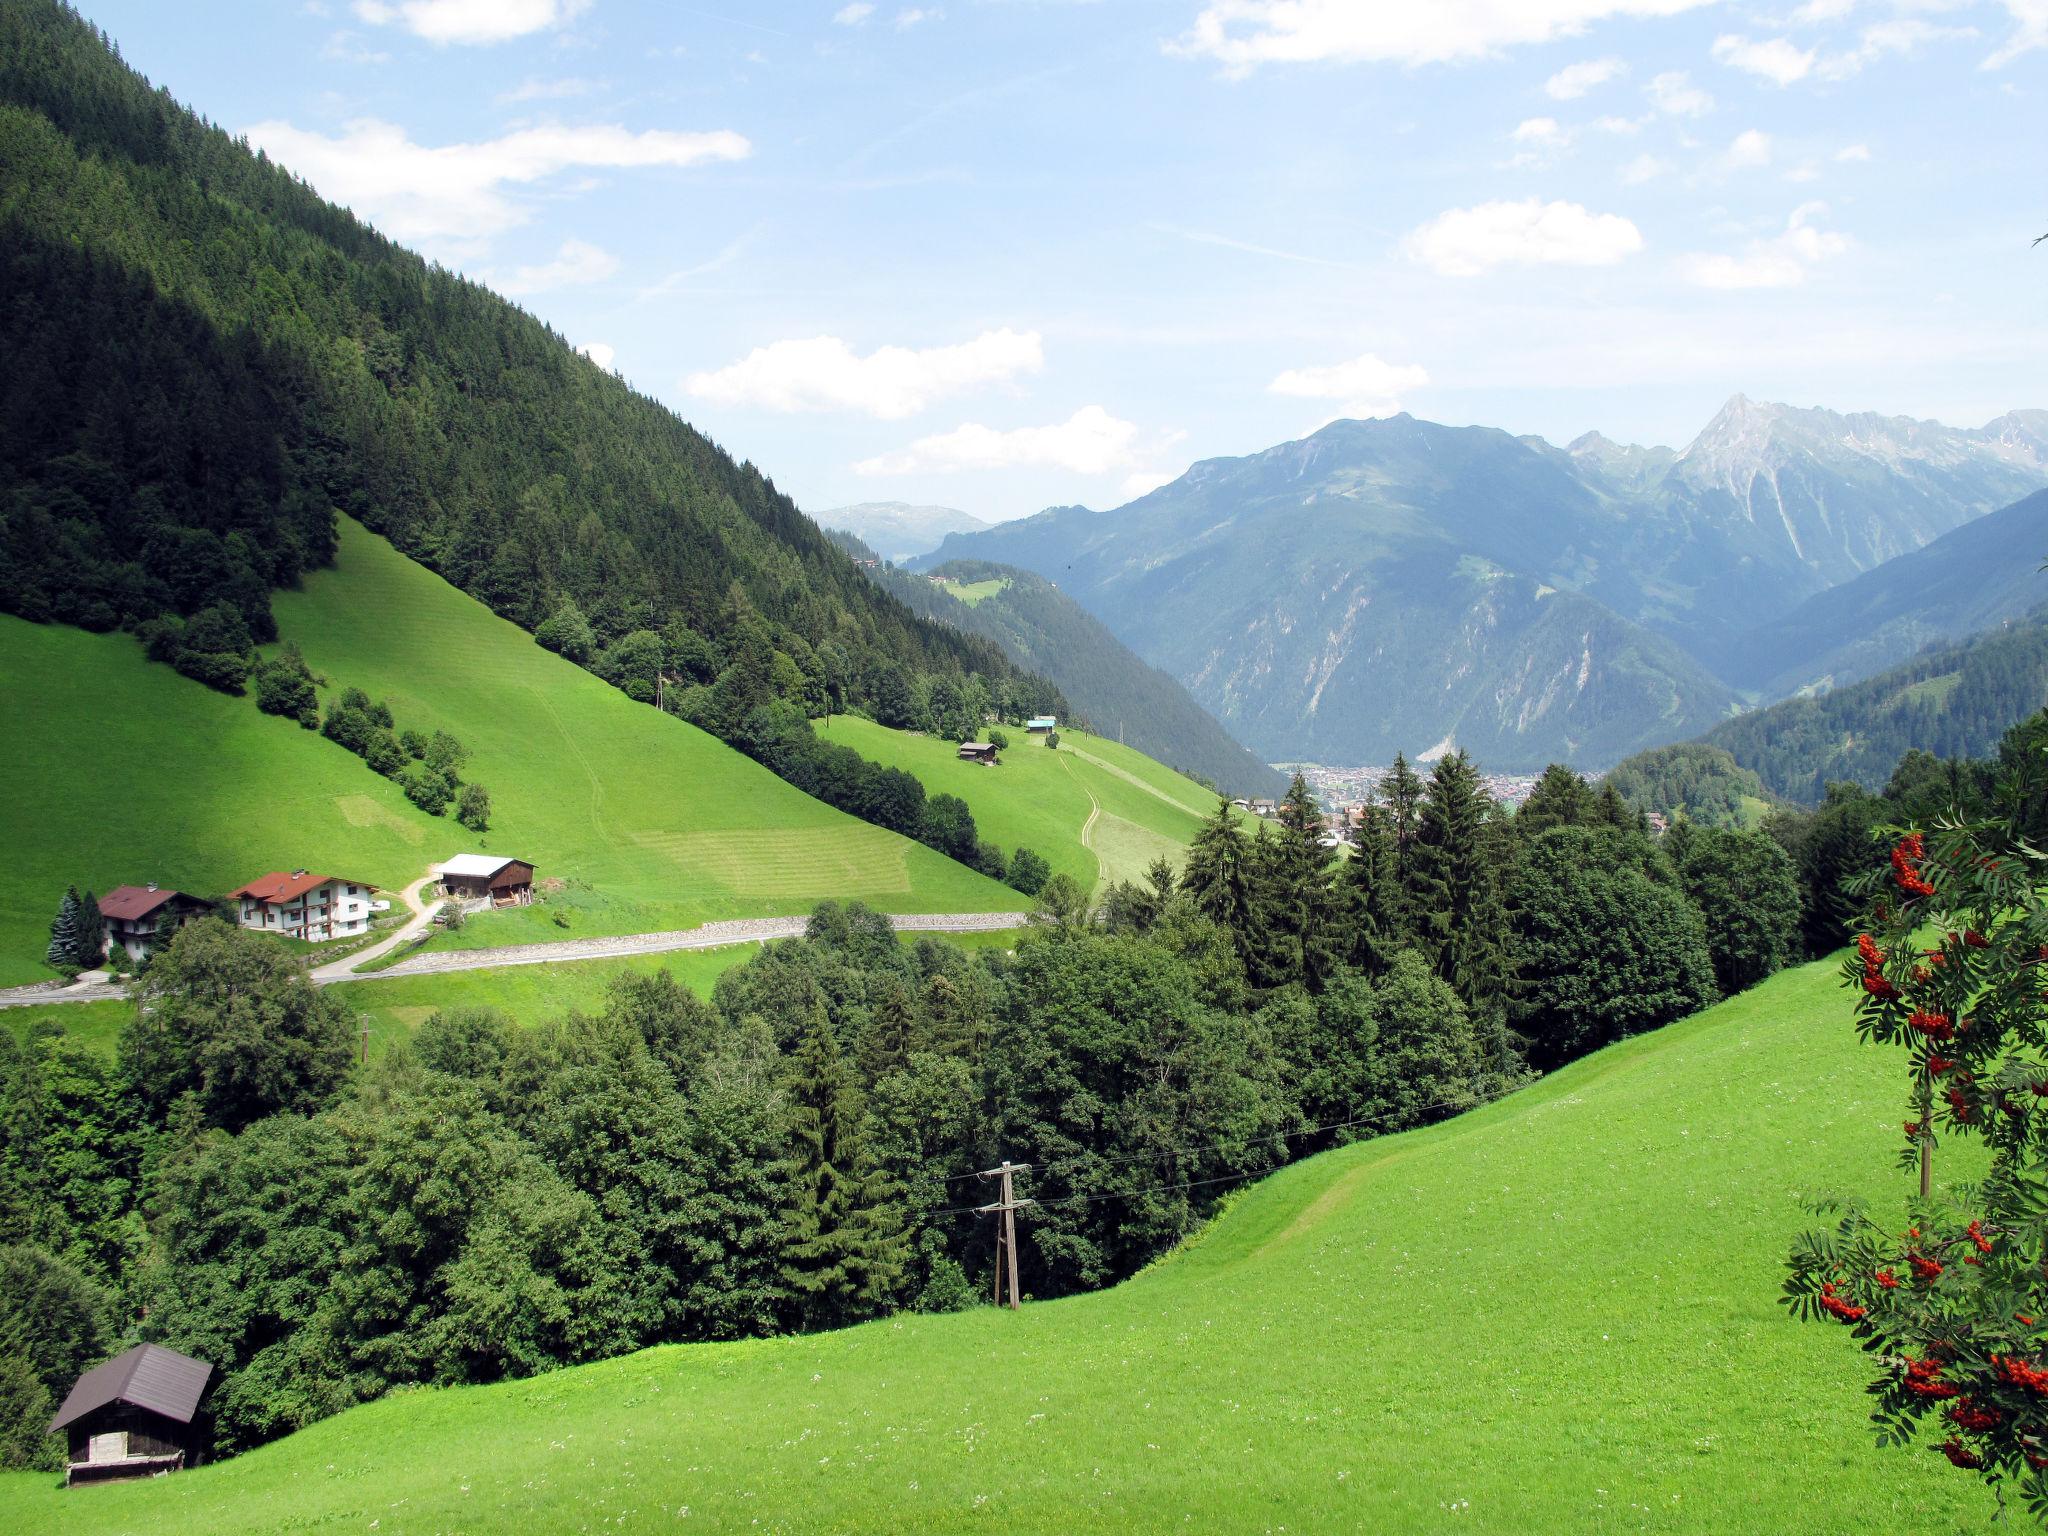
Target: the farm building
pixel 978 752
pixel 1042 724
pixel 135 1416
pixel 482 879
pixel 304 906
pixel 140 917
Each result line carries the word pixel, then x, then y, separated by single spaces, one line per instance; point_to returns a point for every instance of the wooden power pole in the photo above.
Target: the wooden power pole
pixel 1006 1234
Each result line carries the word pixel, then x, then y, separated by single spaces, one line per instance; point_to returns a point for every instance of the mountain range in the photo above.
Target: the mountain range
pixel 1400 585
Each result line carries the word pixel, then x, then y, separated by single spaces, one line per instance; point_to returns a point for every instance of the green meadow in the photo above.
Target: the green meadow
pixel 1556 1313
pixel 1095 810
pixel 120 770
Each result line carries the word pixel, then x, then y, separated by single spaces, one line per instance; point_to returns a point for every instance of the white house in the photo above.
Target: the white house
pixel 304 906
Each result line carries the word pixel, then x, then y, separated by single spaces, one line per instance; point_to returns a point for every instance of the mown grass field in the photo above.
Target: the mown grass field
pixel 120 770
pixel 1095 810
pixel 1557 1313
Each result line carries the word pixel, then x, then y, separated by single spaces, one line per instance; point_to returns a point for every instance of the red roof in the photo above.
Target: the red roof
pixel 280 887
pixel 130 902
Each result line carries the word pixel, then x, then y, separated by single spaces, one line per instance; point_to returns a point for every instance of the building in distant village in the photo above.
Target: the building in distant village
pixel 306 906
pixel 983 752
pixel 142 917
pixel 136 1415
pixel 480 880
pixel 1042 725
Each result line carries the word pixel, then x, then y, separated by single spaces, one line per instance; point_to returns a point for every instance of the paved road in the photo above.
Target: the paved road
pixel 750 930
pixel 342 969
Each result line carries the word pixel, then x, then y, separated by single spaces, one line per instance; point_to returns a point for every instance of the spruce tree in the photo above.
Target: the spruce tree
pixel 846 1250
pixel 92 933
pixel 1301 913
pixel 64 932
pixel 1369 896
pixel 1215 877
pixel 1460 918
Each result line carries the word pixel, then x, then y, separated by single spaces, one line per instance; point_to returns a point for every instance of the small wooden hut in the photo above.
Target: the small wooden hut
pixel 480 879
pixel 135 1416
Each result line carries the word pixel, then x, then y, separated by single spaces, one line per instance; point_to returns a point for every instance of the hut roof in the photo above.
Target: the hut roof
pixel 147 1376
pixel 477 866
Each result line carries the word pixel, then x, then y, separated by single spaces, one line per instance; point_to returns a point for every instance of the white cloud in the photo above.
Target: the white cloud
pixel 1674 94
pixel 1090 442
pixel 1367 385
pixel 1574 80
pixel 601 353
pixel 1463 242
pixel 1619 124
pixel 1776 59
pixel 1782 262
pixel 853 15
pixel 911 16
pixel 578 261
pixel 2029 32
pixel 471 21
pixel 456 191
pixel 1750 148
pixel 1853 152
pixel 1243 34
pixel 1641 169
pixel 822 373
pixel 1539 130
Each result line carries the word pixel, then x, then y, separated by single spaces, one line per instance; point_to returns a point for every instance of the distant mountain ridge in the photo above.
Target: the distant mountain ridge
pixel 1401 585
pixel 1116 693
pixel 898 530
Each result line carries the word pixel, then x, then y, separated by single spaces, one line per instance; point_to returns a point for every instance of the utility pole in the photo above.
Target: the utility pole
pixel 1006 1234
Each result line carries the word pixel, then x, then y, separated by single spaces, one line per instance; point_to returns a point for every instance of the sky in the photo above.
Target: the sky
pixel 1006 254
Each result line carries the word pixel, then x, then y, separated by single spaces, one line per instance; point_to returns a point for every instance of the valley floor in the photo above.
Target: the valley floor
pixel 1556 1313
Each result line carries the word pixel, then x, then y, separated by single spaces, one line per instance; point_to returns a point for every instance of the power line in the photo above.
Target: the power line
pixel 1220 1146
pixel 1097 1197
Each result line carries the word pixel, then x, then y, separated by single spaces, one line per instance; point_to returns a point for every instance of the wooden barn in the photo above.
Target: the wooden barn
pixel 978 752
pixel 475 879
pixel 135 1416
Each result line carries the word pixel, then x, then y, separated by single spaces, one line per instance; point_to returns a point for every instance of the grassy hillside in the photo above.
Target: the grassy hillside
pixel 1556 1313
pixel 1095 810
pixel 122 770
pixel 666 825
pixel 118 770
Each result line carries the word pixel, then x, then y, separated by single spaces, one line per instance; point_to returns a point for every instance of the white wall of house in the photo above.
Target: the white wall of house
pixel 334 910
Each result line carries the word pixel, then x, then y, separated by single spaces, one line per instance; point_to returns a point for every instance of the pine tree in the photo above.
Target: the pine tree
pixel 1301 908
pixel 1215 877
pixel 846 1250
pixel 1460 918
pixel 92 933
pixel 65 932
pixel 1369 896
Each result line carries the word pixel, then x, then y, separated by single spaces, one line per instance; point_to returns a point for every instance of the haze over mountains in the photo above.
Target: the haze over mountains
pixel 897 530
pixel 1398 585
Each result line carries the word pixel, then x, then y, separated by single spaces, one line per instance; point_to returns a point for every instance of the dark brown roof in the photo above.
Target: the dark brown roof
pixel 130 902
pixel 148 1376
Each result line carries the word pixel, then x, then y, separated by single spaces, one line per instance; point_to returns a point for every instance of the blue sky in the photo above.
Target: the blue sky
pixel 1002 254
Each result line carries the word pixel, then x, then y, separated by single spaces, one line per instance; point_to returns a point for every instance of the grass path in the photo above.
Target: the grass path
pixel 1556 1313
pixel 1088 826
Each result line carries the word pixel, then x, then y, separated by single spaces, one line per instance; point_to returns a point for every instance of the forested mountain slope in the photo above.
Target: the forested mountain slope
pixel 1982 574
pixel 1112 690
pixel 1538 1250
pixel 216 359
pixel 1952 701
